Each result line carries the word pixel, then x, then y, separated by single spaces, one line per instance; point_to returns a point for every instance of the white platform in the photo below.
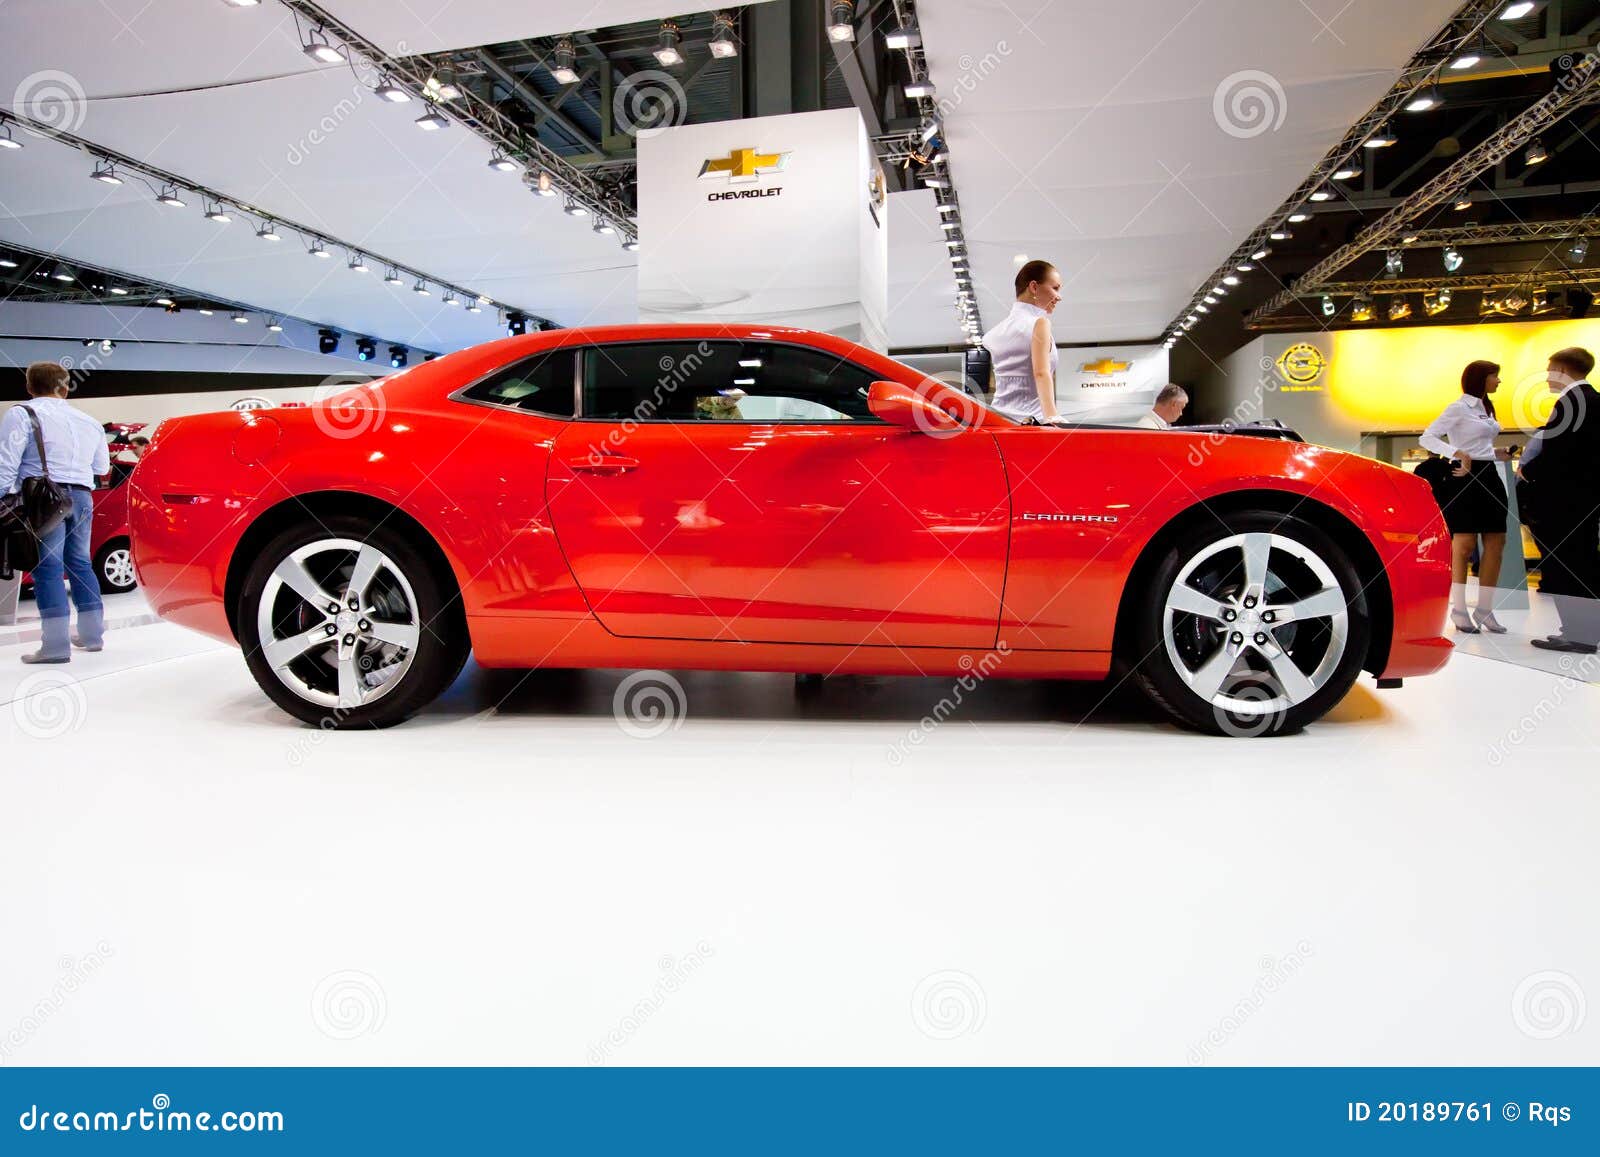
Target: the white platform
pixel 192 878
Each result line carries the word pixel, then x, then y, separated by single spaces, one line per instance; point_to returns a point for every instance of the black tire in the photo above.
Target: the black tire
pixel 441 646
pixel 113 566
pixel 1195 638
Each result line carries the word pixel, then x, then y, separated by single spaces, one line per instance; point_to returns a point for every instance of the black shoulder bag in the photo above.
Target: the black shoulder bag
pixel 38 507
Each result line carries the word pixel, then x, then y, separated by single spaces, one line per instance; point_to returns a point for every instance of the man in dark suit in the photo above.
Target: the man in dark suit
pixel 1563 481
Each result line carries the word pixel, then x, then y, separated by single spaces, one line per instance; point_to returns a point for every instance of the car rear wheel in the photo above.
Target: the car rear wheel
pixel 1253 624
pixel 113 565
pixel 346 625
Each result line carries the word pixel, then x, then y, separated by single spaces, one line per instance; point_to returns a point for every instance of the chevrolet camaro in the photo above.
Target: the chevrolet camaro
pixel 767 499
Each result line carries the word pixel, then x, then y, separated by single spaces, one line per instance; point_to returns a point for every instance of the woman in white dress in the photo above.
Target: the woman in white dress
pixel 1023 349
pixel 1473 497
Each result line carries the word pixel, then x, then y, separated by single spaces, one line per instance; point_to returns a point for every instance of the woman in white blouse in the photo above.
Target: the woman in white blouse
pixel 1023 349
pixel 1474 496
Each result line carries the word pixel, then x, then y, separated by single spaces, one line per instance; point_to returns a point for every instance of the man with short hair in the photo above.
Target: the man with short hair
pixel 1170 404
pixel 76 453
pixel 1564 480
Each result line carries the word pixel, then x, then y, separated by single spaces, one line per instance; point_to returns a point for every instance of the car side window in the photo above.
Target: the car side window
pixel 541 384
pixel 728 381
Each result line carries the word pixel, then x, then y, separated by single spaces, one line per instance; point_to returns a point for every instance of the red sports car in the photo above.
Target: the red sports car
pixel 740 498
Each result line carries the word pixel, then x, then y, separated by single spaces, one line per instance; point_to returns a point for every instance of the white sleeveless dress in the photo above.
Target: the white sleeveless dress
pixel 1010 345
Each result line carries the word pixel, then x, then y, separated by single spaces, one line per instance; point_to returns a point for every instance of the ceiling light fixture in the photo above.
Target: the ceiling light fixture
pixel 841 20
pixel 906 36
pixel 563 58
pixel 392 277
pixel 573 209
pixel 116 290
pixel 920 89
pixel 1465 60
pixel 601 225
pixel 358 263
pixel 1381 139
pixel 432 121
pixel 1517 10
pixel 1347 172
pixel 1328 306
pixel 240 319
pixel 62 273
pixel 724 44
pixel 7 141
pixel 544 186
pixel 1298 217
pixel 268 233
pixel 169 196
pixel 1323 194
pixel 318 49
pixel 1463 204
pixel 631 245
pixel 450 298
pixel 106 172
pixel 318 249
pixel 1452 259
pixel 1281 233
pixel 421 288
pixel 218 214
pixel 666 51
pixel 438 89
pixel 1579 250
pixel 1425 99
pixel 1536 154
pixel 502 164
pixel 274 325
pixel 390 91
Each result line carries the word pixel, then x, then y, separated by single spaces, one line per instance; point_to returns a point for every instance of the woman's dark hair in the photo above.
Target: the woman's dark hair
pixel 1474 379
pixel 1030 272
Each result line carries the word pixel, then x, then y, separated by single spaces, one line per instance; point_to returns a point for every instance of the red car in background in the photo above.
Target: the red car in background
pixel 108 545
pixel 749 498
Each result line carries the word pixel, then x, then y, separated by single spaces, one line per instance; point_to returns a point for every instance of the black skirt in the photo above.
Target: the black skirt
pixel 1475 504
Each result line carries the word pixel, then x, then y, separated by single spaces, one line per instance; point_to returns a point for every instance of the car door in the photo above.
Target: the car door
pixel 741 490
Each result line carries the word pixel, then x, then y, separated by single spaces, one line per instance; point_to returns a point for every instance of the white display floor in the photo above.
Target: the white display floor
pixel 515 878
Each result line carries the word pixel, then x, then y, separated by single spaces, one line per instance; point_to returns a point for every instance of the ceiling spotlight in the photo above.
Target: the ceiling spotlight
pixel 358 263
pixel 1202 309
pixel 666 50
pixel 1328 307
pixel 274 325
pixel 482 299
pixel 450 298
pixel 947 207
pixel 1435 302
pixel 1361 308
pixel 1541 302
pixel 841 20
pixel 439 89
pixel 397 356
pixel 6 262
pixel 1394 263
pixel 240 319
pixel 1452 259
pixel 1347 172
pixel 106 172
pixel 502 164
pixel 906 36
pixel 573 209
pixel 267 232
pixel 116 290
pixel 1465 60
pixel 421 287
pixel 1281 233
pixel 1261 254
pixel 1230 279
pixel 949 224
pixel 166 301
pixel 723 42
pixel 366 349
pixel 1517 9
pixel 474 307
pixel 631 245
pixel 318 249
pixel 1408 238
pixel 1425 99
pixel 1463 204
pixel 1323 194
pixel 318 49
pixel 1578 250
pixel 1381 139
pixel 564 58
pixel 919 89
pixel 1245 266
pixel 62 273
pixel 1298 217
pixel 601 225
pixel 169 196
pixel 390 91
pixel 1514 300
pixel 205 311
pixel 930 176
pixel 392 277
pixel 241 3
pixel 218 214
pixel 432 121
pixel 1399 308
pixel 516 324
pixel 327 340
pixel 1536 154
pixel 544 186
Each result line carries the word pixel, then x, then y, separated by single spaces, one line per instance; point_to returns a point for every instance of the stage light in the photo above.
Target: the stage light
pixel 358 263
pixel 62 273
pixel 1536 154
pixel 240 319
pixel 432 121
pixel 906 36
pixel 573 209
pixel 318 49
pixel 601 225
pixel 116 290
pixel 366 349
pixel 841 21
pixel 167 302
pixel 169 196
pixel 391 92
pixel 723 42
pixel 1579 300
pixel 1394 263
pixel 397 356
pixel 392 277
pixel 1452 259
pixel 440 89
pixel 1230 279
pixel 1425 99
pixel 328 340
pixel 919 89
pixel 1435 302
pixel 268 232
pixel 1381 139
pixel 516 324
pixel 106 172
pixel 543 186
pixel 1463 204
pixel 562 70
pixel 631 246
pixel 7 141
pixel 1408 238
pixel 1328 307
pixel 1299 217
pixel 205 311
pixel 1347 172
pixel 1517 10
pixel 274 325
pixel 218 214
pixel 474 307
pixel 1261 254
pixel 421 288
pixel 1579 250
pixel 1245 266
pixel 318 249
pixel 450 298
pixel 1323 194
pixel 1361 308
pixel 502 164
pixel 666 51
pixel 1465 60
pixel 1399 308
pixel 1281 233
pixel 6 262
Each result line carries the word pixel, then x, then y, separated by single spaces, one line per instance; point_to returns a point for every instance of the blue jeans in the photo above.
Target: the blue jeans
pixel 66 550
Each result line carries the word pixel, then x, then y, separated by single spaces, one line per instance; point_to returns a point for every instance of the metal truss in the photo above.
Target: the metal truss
pixel 1508 233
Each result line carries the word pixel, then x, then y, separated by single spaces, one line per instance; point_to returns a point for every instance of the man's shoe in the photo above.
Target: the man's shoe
pixel 41 657
pixel 77 641
pixel 1556 643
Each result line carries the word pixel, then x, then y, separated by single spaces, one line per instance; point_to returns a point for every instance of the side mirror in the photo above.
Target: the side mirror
pixel 903 406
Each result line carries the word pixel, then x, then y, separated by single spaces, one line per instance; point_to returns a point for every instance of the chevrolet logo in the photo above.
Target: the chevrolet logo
pixel 743 165
pixel 1105 367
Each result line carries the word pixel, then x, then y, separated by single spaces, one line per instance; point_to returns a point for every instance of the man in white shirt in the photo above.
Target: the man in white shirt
pixel 76 454
pixel 1170 404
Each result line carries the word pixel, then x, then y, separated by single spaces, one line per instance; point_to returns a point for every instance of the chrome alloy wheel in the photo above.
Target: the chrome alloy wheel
pixel 1255 623
pixel 338 623
pixel 117 568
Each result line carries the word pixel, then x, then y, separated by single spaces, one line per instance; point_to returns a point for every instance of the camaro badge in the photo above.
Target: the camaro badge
pixel 1031 517
pixel 743 166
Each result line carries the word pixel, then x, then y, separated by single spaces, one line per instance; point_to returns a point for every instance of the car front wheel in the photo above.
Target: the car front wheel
pixel 113 565
pixel 346 625
pixel 1253 624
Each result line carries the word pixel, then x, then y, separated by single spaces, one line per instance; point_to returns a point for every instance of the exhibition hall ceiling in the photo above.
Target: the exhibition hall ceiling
pixel 1084 133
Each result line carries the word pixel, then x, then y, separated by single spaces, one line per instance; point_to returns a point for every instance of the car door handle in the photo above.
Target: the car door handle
pixel 602 464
